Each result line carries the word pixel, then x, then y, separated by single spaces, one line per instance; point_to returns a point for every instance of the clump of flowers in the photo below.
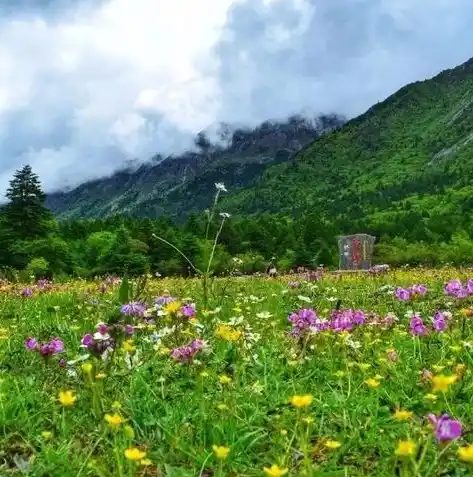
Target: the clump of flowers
pixel 405 294
pixel 456 289
pixel 135 309
pixel 186 354
pixel 302 321
pixel 346 320
pixel 54 346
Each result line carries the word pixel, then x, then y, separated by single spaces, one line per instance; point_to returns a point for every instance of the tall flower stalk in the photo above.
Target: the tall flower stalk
pixel 205 274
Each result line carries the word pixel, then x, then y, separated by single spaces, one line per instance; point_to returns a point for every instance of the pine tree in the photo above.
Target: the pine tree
pixel 25 214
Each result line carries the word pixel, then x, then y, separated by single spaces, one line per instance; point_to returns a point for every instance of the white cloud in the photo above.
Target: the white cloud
pixel 82 90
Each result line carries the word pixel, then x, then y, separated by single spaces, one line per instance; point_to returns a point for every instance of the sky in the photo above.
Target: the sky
pixel 87 85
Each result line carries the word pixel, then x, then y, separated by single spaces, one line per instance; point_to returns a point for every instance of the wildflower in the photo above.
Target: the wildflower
pixel 31 343
pixel 275 471
pixel 301 401
pixel 172 307
pixel 134 454
pixel 67 398
pixel 372 383
pixel 441 383
pixel 401 415
pixel 220 186
pixel 128 346
pixel 225 379
pixel 114 420
pixel 466 453
pixel 221 452
pixel 164 300
pixel 188 310
pixel 431 397
pixel 332 444
pixel 87 368
pixel 135 309
pixel 416 326
pixel 47 435
pixel 402 294
pixel 146 462
pixel 446 429
pixel 405 448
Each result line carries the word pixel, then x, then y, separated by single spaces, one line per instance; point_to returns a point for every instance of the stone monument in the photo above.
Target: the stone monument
pixel 356 251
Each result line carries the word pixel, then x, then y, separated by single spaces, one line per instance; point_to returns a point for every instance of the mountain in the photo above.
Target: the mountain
pixel 408 159
pixel 177 186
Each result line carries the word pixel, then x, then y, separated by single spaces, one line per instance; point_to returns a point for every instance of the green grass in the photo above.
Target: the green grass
pixel 178 412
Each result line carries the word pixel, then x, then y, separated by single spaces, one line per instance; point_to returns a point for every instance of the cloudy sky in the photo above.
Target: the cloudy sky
pixel 88 84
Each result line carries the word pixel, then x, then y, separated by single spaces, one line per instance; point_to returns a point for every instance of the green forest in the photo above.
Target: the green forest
pixel 33 243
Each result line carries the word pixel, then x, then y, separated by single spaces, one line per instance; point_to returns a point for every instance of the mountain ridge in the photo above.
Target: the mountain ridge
pixel 177 186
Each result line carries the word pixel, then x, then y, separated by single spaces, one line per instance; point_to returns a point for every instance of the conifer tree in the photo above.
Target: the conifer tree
pixel 26 215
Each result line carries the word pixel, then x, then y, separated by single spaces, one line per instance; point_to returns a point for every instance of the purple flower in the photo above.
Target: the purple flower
pixel 27 292
pixel 446 429
pixel 303 319
pixel 185 354
pixel 402 294
pixel 163 300
pixel 469 286
pixel 419 289
pixel 102 328
pixel 453 287
pixel 56 346
pixel 439 321
pixel 31 344
pixel 129 330
pixel 135 308
pixel 188 310
pixel 87 340
pixel 417 327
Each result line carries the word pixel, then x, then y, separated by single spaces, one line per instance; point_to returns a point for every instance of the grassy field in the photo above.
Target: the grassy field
pixel 267 379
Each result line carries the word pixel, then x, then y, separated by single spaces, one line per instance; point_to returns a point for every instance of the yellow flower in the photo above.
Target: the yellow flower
pixel 114 420
pixel 227 333
pixel 86 368
pixel 47 435
pixel 332 444
pixel 225 379
pixel 101 376
pixel 221 452
pixel 204 374
pixel 146 462
pixel 431 397
pixel 275 471
pixel 405 448
pixel 67 398
pixel 129 432
pixel 128 346
pixel 172 307
pixel 466 453
pixel 134 454
pixel 441 383
pixel 222 407
pixel 372 383
pixel 301 401
pixel 401 415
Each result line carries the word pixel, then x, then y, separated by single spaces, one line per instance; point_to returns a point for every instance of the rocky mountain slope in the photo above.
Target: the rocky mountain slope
pixel 177 186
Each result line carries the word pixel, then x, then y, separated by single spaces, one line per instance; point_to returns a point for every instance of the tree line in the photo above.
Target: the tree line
pixel 33 243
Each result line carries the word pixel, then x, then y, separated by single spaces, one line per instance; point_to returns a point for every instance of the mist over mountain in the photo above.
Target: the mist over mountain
pixel 86 87
pixel 176 186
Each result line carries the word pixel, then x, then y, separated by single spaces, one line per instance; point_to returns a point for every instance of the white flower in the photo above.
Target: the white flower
pixel 225 215
pixel 220 186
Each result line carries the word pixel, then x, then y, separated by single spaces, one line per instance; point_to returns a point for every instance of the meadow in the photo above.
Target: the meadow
pixel 342 376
